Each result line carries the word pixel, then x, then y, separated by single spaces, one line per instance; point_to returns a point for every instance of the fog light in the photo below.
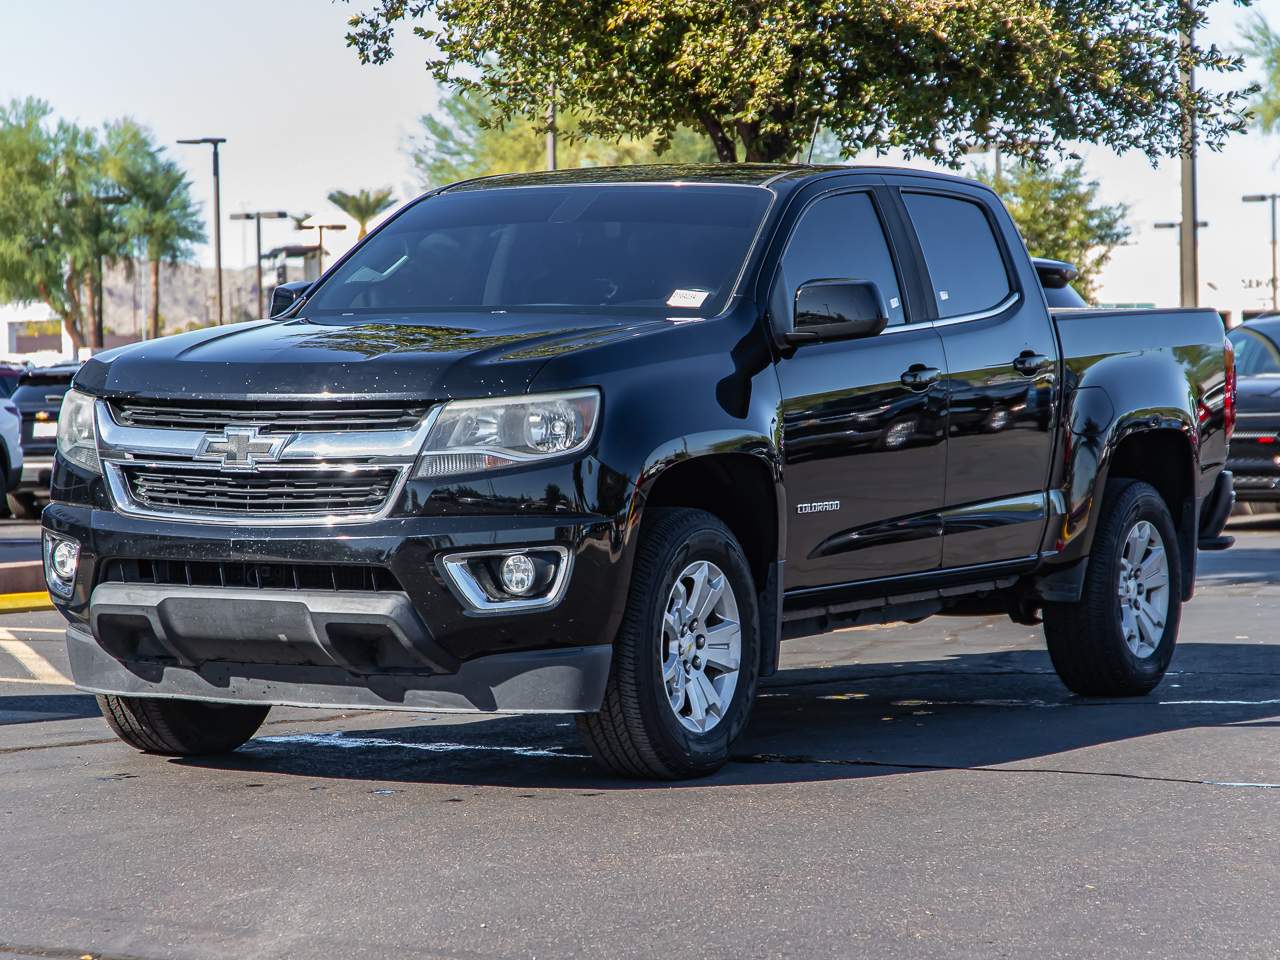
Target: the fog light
pixel 61 558
pixel 518 574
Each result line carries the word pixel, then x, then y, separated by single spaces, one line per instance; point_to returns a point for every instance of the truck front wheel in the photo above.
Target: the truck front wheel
pixel 181 728
pixel 1118 638
pixel 686 658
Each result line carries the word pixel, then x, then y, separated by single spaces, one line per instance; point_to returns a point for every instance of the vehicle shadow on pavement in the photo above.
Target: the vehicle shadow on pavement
pixel 872 720
pixel 43 707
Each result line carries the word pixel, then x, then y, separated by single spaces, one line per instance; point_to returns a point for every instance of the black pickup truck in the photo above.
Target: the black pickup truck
pixel 596 442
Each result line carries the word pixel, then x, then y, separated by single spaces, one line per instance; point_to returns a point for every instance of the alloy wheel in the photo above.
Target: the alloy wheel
pixel 701 646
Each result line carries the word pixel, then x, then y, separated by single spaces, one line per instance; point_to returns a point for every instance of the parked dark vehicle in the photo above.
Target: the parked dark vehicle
pixel 1056 277
pixel 38 397
pixel 9 376
pixel 1255 449
pixel 596 441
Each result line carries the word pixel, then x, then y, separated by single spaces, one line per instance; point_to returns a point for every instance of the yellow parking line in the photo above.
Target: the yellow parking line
pixel 23 602
pixel 40 669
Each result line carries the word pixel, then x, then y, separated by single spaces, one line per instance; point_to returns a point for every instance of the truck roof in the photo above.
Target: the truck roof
pixel 737 174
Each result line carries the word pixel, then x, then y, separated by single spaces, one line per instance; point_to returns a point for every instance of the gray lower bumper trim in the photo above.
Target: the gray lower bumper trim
pixel 569 680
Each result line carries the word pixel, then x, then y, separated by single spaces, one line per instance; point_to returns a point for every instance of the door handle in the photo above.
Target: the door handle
pixel 919 377
pixel 1029 363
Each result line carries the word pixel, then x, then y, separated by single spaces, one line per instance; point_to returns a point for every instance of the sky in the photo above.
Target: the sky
pixel 303 117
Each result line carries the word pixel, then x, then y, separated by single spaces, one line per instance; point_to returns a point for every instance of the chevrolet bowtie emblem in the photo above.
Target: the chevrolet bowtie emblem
pixel 240 448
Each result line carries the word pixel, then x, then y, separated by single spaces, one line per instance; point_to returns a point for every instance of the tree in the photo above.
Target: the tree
pixel 1059 216
pixel 363 205
pixel 1263 44
pixel 926 76
pixel 469 140
pixel 159 211
pixel 47 176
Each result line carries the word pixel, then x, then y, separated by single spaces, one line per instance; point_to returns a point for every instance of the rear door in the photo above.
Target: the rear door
pixel 1001 380
pixel 863 420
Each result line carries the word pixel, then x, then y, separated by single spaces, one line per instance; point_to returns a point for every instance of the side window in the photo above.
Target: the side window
pixel 838 238
pixel 961 252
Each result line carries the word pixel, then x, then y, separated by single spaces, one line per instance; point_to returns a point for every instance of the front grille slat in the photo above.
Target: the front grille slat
pixel 268 418
pixel 290 491
pixel 363 578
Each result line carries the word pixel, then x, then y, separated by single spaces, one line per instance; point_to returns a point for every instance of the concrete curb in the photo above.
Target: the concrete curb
pixel 25 602
pixel 23 576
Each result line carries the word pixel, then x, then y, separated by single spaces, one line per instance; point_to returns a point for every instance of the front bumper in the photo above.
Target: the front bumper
pixel 415 648
pixel 569 680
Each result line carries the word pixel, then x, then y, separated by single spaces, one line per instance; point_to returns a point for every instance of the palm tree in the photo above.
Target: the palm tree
pixel 160 211
pixel 1262 43
pixel 363 205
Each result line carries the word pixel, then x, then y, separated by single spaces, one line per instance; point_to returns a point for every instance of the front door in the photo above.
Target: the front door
pixel 1002 361
pixel 863 420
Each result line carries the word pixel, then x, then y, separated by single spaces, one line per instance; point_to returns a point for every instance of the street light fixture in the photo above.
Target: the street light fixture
pixel 217 213
pixel 1261 198
pixel 257 217
pixel 1177 225
pixel 322 227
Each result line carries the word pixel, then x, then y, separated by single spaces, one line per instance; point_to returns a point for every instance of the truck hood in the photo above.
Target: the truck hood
pixel 416 357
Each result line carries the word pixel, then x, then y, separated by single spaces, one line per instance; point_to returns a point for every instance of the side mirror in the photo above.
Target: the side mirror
pixel 837 310
pixel 286 295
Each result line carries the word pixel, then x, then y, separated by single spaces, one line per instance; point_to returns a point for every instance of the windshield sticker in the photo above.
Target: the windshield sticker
pixel 687 298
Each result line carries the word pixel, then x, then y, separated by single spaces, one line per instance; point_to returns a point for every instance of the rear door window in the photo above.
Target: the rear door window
pixel 961 252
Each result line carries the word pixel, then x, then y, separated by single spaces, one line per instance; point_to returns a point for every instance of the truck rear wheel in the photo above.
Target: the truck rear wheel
pixel 1118 638
pixel 686 659
pixel 181 728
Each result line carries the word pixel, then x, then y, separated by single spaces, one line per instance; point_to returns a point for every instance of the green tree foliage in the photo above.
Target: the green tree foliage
pixel 159 210
pixel 46 180
pixel 363 205
pixel 71 199
pixel 1263 44
pixel 1059 216
pixel 926 76
pixel 468 139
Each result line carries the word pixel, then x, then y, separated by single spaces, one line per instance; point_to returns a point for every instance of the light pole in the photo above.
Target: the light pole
pixel 1188 243
pixel 1259 198
pixel 257 217
pixel 217 213
pixel 322 227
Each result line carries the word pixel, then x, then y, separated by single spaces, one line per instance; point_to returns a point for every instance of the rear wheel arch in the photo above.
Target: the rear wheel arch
pixel 1163 458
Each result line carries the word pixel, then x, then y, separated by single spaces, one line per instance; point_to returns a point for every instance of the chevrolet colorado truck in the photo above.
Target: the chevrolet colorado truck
pixel 597 441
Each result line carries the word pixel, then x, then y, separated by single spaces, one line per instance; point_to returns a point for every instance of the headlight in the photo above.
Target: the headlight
pixel 77 437
pixel 471 436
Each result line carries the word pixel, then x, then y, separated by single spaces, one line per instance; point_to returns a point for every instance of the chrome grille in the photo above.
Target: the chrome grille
pixel 268 417
pixel 268 492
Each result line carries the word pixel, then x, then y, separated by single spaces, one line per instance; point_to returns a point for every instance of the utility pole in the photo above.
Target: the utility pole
pixel 257 217
pixel 1259 198
pixel 1188 247
pixel 1182 233
pixel 217 214
pixel 322 227
pixel 551 131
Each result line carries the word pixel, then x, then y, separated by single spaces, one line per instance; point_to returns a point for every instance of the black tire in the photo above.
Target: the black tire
pixel 24 506
pixel 636 733
pixel 181 728
pixel 1086 639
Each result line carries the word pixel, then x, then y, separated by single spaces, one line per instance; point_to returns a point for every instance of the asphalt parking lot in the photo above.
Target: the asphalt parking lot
pixel 911 791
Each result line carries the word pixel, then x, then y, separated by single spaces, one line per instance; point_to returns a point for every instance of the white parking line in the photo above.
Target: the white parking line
pixel 41 670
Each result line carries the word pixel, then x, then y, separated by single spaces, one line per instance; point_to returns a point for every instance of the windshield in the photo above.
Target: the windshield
pixel 626 249
pixel 1256 354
